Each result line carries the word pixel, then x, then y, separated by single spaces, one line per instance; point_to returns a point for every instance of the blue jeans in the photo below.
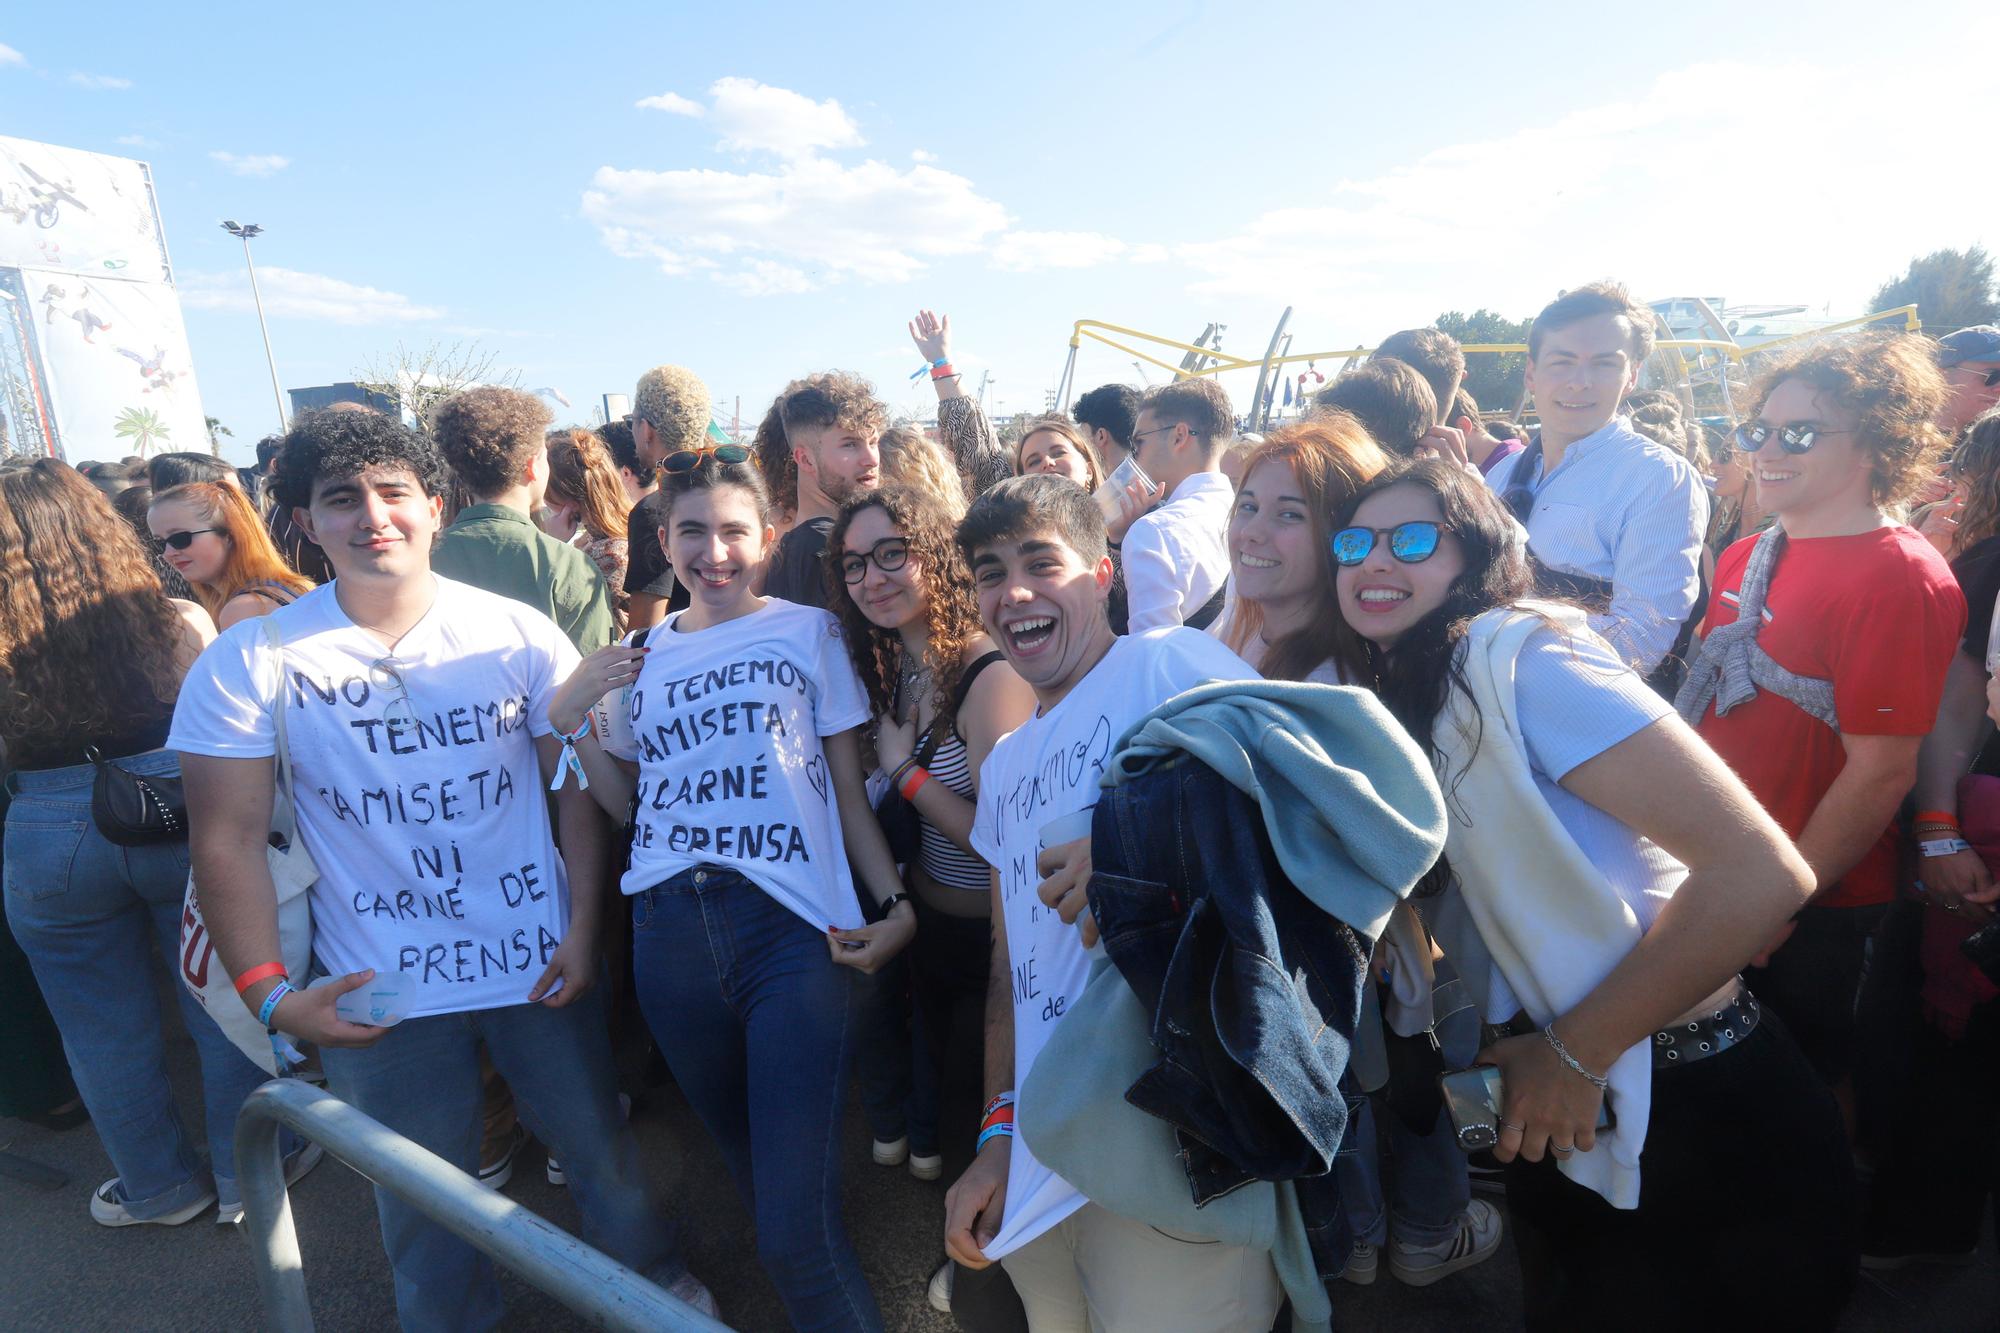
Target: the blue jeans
pixel 422 1080
pixel 89 914
pixel 1429 1188
pixel 752 1016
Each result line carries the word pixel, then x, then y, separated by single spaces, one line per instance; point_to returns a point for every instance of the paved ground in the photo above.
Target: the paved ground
pixel 59 1271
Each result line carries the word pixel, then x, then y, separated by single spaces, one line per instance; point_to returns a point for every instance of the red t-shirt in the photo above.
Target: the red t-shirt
pixel 1878 614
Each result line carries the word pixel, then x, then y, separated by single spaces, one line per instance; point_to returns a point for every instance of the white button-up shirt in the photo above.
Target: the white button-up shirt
pixel 1178 555
pixel 1625 510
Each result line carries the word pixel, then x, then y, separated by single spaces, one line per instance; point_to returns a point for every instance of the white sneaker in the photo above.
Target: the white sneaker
pixel 107 1209
pixel 230 1211
pixel 940 1289
pixel 494 1175
pixel 926 1166
pixel 892 1153
pixel 1362 1265
pixel 692 1291
pixel 1475 1240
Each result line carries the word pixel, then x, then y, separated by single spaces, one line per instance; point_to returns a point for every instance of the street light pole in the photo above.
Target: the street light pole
pixel 243 233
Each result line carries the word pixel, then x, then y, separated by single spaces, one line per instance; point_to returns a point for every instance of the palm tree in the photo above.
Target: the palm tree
pixel 216 430
pixel 142 426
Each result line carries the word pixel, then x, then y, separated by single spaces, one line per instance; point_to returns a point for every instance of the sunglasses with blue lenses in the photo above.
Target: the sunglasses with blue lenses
pixel 1410 543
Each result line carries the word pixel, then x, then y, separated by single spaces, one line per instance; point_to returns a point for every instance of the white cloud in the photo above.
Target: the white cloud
pixel 1662 190
pixel 137 141
pixel 1024 251
pixel 673 104
pixel 810 222
pixel 251 164
pixel 101 82
pixel 9 56
pixel 922 155
pixel 310 296
pixel 753 117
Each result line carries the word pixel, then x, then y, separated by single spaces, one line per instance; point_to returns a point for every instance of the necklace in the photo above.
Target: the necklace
pixel 913 675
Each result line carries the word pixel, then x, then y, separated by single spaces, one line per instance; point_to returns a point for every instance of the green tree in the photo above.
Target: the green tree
pixel 216 430
pixel 142 426
pixel 1950 289
pixel 1494 381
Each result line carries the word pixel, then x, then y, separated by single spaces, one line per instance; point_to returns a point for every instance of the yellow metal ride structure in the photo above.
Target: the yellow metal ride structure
pixel 1702 372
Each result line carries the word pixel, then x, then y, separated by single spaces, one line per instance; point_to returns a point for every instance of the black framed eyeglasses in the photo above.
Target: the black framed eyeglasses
pixel 889 555
pixel 180 541
pixel 687 460
pixel 1793 439
pixel 1410 543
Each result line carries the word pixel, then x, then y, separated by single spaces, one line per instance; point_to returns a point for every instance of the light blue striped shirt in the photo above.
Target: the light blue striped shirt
pixel 1626 510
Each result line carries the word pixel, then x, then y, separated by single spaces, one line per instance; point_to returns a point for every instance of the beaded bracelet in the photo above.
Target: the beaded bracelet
pixel 1562 1053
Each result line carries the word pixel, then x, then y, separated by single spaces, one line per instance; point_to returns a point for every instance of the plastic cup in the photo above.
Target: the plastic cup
pixel 384 1002
pixel 1110 494
pixel 1068 828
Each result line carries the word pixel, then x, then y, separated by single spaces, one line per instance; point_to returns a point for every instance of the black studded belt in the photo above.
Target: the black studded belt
pixel 1710 1034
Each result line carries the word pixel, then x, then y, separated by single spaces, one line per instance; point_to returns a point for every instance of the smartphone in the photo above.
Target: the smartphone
pixel 1473 1098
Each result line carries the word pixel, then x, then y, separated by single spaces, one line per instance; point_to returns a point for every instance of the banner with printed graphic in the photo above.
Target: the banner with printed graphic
pixel 94 360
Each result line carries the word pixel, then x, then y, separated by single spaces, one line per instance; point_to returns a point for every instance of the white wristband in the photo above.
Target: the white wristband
pixel 1944 847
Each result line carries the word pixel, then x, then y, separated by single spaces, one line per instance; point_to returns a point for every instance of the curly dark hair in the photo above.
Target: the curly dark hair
pixel 490 435
pixel 1892 385
pixel 89 645
pixel 332 446
pixel 834 398
pixel 773 453
pixel 931 529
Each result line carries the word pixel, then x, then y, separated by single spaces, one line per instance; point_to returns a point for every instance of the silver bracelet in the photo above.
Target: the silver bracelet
pixel 1562 1053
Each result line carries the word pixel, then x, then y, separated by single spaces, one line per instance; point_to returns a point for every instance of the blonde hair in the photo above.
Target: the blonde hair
pixel 253 560
pixel 911 458
pixel 674 401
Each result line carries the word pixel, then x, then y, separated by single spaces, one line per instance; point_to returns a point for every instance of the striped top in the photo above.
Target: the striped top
pixel 942 859
pixel 1626 511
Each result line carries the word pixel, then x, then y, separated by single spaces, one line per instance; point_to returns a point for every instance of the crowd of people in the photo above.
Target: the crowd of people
pixel 1292 839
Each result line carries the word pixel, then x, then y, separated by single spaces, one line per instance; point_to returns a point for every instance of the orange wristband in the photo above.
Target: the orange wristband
pixel 914 783
pixel 245 980
pixel 1943 818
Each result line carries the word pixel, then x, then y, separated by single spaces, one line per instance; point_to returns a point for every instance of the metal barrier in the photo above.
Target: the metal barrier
pixel 588 1281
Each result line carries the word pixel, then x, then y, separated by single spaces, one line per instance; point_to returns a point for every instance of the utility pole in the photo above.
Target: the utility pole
pixel 243 233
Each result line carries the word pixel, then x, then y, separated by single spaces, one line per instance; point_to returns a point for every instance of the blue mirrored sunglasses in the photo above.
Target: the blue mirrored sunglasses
pixel 1410 543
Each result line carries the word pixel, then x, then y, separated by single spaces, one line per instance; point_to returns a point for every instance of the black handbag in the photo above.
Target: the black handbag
pixel 133 811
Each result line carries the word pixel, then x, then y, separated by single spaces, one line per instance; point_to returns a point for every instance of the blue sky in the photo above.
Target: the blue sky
pixel 797 188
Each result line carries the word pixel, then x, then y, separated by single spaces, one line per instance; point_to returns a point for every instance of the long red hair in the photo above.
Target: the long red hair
pixel 253 560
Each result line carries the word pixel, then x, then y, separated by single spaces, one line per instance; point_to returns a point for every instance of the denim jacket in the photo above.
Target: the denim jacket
pixel 1239 876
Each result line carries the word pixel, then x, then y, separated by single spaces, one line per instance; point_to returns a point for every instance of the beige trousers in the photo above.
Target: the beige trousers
pixel 1098 1272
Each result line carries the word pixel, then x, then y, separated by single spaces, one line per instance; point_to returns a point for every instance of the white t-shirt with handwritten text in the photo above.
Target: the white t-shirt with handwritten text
pixel 1047 768
pixel 725 724
pixel 420 794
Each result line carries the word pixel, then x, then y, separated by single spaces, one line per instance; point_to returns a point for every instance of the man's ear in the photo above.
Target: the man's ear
pixel 302 520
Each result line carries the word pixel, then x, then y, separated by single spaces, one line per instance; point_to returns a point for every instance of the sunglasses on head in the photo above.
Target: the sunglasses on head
pixel 687 460
pixel 1410 543
pixel 1754 435
pixel 180 541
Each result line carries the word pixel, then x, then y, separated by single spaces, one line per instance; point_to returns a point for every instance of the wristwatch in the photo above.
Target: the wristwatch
pixel 888 904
